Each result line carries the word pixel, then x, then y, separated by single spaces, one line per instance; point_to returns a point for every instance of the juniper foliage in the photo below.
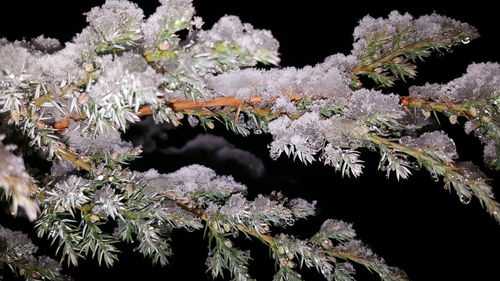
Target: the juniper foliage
pixel 73 100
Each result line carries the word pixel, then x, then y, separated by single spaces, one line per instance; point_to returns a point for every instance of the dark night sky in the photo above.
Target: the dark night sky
pixel 414 224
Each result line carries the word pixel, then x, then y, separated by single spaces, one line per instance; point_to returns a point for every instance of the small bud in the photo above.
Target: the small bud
pixel 378 70
pixel 281 250
pixel 85 158
pixel 95 218
pixel 426 113
pixel 226 227
pixel 398 60
pixel 376 56
pixel 129 187
pixel 266 228
pixel 23 111
pixel 486 119
pixel 15 116
pixel 327 244
pixel 290 255
pixel 179 115
pixel 88 66
pixel 453 119
pixel 473 111
pixel 290 264
pixel 283 262
pixel 41 125
pixel 83 98
pixel 228 244
pixel 163 46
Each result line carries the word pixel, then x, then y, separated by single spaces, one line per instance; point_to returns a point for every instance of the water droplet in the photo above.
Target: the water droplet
pixel 464 199
pixel 466 40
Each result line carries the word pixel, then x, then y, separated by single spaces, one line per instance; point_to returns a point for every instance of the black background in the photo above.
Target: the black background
pixel 414 224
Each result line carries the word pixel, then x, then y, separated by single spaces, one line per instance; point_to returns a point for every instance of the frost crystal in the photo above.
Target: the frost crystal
pixel 337 230
pixel 17 243
pixel 169 16
pixel 231 29
pixel 490 152
pixel 342 132
pixel 110 141
pixel 191 179
pixel 300 138
pixel 15 181
pixel 108 203
pixel 481 81
pixel 125 76
pixel 340 61
pixel 369 27
pixel 13 57
pixel 69 193
pixel 443 147
pixel 62 65
pixel 308 81
pixel 429 27
pixel 435 26
pixel 45 44
pixel 369 103
pixel 116 19
pixel 302 208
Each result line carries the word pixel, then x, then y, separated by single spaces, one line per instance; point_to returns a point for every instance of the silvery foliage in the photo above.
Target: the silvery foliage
pixel 479 90
pixel 72 101
pixel 19 252
pixel 480 82
pixel 15 181
pixel 431 27
pixel 437 143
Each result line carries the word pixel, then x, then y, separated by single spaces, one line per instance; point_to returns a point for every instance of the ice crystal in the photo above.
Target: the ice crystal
pixel 300 138
pixel 62 65
pixel 437 141
pixel 231 29
pixel 342 132
pixel 340 61
pixel 191 179
pixel 490 152
pixel 432 27
pixel 17 243
pixel 123 76
pixel 307 81
pixel 366 103
pixel 301 208
pixel 69 193
pixel 116 19
pixel 61 168
pixel 13 57
pixel 107 202
pixel 168 18
pixel 436 26
pixel 337 230
pixel 110 141
pixel 15 181
pixel 481 81
pixel 45 44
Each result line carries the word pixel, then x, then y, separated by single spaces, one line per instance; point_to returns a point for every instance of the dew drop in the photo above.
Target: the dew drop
pixel 464 199
pixel 466 40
